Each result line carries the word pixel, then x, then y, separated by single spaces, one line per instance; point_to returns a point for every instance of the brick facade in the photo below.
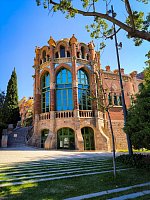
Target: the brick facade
pixel 79 56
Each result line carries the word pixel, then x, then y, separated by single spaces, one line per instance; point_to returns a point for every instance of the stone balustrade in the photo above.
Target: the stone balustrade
pixel 67 114
pixel 86 113
pixel 44 116
pixel 64 114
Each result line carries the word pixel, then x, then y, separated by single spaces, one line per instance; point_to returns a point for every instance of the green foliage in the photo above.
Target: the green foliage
pixel 136 160
pixel 138 118
pixel 140 24
pixel 2 116
pixel 147 75
pixel 11 108
pixel 29 120
pixel 2 99
pixel 147 62
pixel 136 28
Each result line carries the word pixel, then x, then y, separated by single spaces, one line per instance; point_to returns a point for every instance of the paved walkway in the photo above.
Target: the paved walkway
pixel 25 153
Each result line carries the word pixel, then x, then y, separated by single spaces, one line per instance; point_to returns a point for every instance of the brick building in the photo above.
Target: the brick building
pixel 67 74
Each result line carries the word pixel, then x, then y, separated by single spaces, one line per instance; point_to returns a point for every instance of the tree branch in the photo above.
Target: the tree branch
pixel 128 8
pixel 110 36
pixel 132 33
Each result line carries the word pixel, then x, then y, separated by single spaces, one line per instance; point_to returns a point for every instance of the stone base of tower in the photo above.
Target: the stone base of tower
pixel 76 133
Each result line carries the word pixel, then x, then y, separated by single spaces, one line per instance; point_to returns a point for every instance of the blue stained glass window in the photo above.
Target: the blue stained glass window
pixel 45 86
pixel 83 91
pixel 64 98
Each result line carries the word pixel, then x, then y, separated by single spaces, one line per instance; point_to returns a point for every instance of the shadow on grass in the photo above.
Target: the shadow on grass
pixel 64 188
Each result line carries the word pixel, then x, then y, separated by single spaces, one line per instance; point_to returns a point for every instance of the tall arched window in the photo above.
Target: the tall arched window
pixel 83 91
pixel 115 100
pixel 88 138
pixel 56 55
pixel 82 53
pixel 45 86
pixel 64 99
pixel 44 56
pixel 110 99
pixel 62 51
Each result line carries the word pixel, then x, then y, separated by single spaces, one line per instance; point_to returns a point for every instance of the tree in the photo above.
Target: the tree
pixel 2 99
pixel 2 124
pixel 135 25
pixel 11 108
pixel 138 118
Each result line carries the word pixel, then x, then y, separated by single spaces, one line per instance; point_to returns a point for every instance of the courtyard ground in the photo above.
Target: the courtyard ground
pixel 29 173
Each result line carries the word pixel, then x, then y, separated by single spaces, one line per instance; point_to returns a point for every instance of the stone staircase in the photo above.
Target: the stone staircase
pixel 18 137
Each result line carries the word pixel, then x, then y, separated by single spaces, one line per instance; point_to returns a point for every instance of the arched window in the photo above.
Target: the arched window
pixel 82 52
pixel 48 57
pixel 68 54
pixel 120 100
pixel 65 139
pixel 88 138
pixel 45 86
pixel 56 55
pixel 44 56
pixel 78 54
pixel 110 99
pixel 83 91
pixel 115 100
pixel 64 99
pixel 62 51
pixel 87 57
pixel 44 134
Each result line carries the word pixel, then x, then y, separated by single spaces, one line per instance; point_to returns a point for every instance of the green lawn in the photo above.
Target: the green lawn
pixel 75 186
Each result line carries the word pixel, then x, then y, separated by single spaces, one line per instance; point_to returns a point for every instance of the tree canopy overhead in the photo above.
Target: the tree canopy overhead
pixel 136 24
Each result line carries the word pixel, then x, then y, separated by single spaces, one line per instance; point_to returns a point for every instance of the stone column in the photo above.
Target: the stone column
pixel 51 141
pixel 93 78
pixel 52 45
pixel 37 93
pixel 37 96
pixel 73 43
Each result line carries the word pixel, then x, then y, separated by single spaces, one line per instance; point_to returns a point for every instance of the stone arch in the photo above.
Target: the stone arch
pixel 43 72
pixel 59 44
pixel 43 137
pixel 84 90
pixel 64 93
pixel 46 49
pixel 88 138
pixel 87 71
pixel 65 138
pixel 45 91
pixel 62 65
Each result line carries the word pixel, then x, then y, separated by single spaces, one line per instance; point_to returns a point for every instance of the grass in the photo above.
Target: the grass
pixel 65 188
pixel 135 151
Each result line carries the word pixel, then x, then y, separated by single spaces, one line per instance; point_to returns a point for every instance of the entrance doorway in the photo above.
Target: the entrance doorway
pixel 88 137
pixel 65 139
pixel 44 135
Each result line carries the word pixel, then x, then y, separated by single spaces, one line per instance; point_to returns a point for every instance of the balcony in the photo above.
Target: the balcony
pixel 64 114
pixel 68 114
pixel 86 113
pixel 44 116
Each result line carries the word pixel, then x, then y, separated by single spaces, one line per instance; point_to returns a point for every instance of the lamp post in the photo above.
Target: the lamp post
pixel 121 84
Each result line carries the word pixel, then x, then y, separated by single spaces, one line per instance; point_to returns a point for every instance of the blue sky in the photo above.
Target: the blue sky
pixel 23 26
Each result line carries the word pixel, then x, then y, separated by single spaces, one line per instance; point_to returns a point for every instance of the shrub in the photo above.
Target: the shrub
pixel 136 160
pixel 2 126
